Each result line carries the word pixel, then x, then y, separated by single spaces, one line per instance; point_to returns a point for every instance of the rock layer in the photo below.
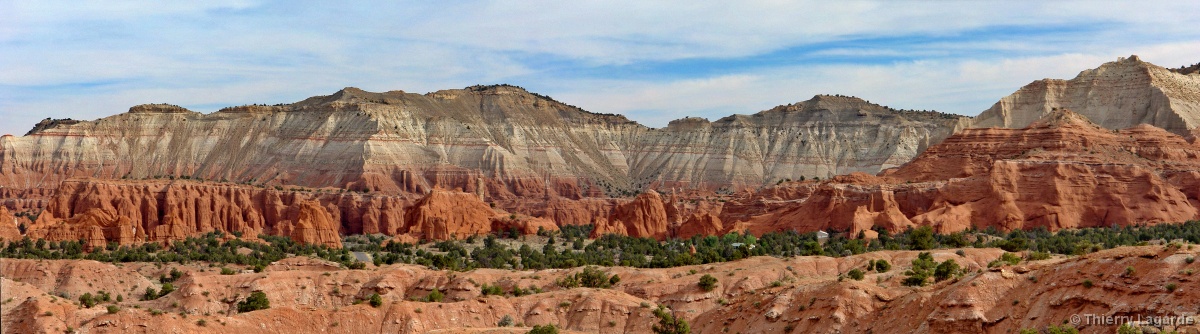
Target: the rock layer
pixel 499 141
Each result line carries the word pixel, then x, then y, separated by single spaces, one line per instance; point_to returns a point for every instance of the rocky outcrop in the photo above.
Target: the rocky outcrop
pixel 443 215
pixel 1062 172
pixel 644 217
pixel 1117 95
pixel 702 224
pixel 8 226
pixel 308 223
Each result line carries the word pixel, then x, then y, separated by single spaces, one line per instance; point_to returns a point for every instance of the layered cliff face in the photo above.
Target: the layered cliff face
pixel 1062 172
pixel 499 141
pixel 1116 95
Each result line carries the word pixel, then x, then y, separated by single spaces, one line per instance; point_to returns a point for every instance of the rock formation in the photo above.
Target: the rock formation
pixel 1117 95
pixel 308 223
pixel 499 141
pixel 130 212
pixel 645 216
pixel 1062 172
pixel 443 215
pixel 8 226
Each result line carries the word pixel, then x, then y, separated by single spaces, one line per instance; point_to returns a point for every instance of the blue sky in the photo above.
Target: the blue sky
pixel 652 61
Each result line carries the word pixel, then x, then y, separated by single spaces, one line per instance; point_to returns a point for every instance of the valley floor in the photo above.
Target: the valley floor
pixel 1096 293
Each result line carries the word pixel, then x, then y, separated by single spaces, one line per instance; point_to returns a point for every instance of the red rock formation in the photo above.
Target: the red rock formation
pixel 308 223
pixel 160 211
pixel 442 215
pixel 8 225
pixel 702 223
pixel 645 216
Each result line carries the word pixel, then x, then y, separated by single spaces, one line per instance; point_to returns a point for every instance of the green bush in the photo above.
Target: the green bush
pixel 150 294
pixel 922 269
pixel 506 321
pixel 856 274
pixel 1087 283
pixel 708 282
pixel 1064 329
pixel 945 270
pixel 227 271
pixel 376 300
pixel 256 301
pixel 882 266
pixel 1038 256
pixel 113 309
pixel 547 329
pixel 434 296
pixel 86 300
pixel 167 288
pixel 489 290
pixel 669 323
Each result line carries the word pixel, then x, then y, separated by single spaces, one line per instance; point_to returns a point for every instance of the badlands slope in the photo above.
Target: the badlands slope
pixel 755 295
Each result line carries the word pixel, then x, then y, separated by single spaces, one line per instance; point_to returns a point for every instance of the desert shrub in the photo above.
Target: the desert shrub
pixel 1064 329
pixel 1087 283
pixel 434 296
pixel 376 300
pixel 922 268
pixel 921 238
pixel 945 270
pixel 856 274
pixel 882 266
pixel 256 301
pixel 113 309
pixel 167 288
pixel 86 300
pixel 543 329
pixel 1038 256
pixel 227 271
pixel 488 290
pixel 150 294
pixel 669 323
pixel 708 282
pixel 506 321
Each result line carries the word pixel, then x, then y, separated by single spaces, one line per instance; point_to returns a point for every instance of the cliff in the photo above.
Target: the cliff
pixel 500 141
pixel 1061 172
pixel 1117 95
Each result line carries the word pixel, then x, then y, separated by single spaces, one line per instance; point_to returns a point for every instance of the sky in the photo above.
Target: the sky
pixel 653 61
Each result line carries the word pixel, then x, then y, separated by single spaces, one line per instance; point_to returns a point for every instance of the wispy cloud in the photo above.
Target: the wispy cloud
pixel 654 61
